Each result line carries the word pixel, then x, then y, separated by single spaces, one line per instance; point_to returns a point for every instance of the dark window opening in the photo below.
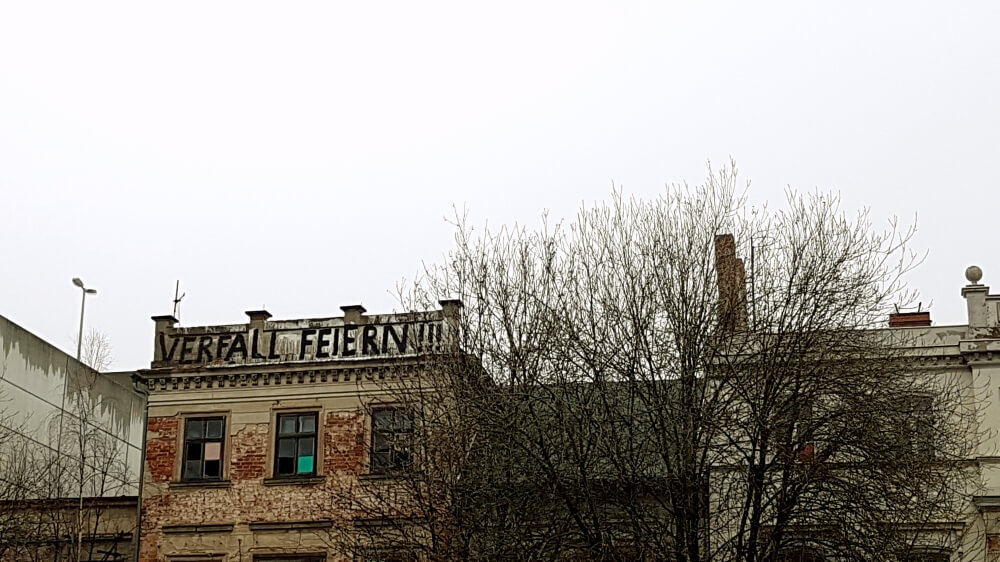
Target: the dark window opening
pixel 793 431
pixel 799 553
pixel 203 442
pixel 392 436
pixel 295 450
pixel 918 424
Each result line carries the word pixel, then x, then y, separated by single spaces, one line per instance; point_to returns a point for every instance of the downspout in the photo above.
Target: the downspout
pixel 140 388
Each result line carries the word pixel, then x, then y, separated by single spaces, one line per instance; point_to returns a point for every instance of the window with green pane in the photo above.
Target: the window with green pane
pixel 392 437
pixel 296 447
pixel 203 442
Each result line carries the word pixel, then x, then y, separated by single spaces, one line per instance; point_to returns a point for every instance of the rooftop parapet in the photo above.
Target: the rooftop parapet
pixel 352 336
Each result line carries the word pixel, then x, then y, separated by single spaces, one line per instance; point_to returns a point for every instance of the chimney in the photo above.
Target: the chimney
pixel 451 309
pixel 353 314
pixel 732 285
pixel 258 318
pixel 164 327
pixel 910 320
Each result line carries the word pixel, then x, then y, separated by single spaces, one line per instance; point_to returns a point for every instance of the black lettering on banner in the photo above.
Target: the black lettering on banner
pixel 305 341
pixel 400 342
pixel 223 342
pixel 349 337
pixel 420 338
pixel 322 343
pixel 270 349
pixel 163 347
pixel 336 341
pixel 255 344
pixel 239 346
pixel 368 340
pixel 203 348
pixel 185 349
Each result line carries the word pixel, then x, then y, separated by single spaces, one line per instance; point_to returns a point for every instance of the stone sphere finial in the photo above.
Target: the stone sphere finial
pixel 973 274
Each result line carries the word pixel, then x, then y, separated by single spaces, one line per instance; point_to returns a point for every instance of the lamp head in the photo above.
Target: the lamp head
pixel 77 282
pixel 90 291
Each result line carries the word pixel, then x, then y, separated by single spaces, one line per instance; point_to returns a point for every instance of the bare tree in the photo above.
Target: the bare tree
pixel 96 352
pixel 629 388
pixel 59 488
pixel 92 467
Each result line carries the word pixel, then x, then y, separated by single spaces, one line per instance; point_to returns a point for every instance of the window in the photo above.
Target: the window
pixel 203 440
pixel 799 553
pixel 392 435
pixel 296 446
pixel 918 423
pixel 793 431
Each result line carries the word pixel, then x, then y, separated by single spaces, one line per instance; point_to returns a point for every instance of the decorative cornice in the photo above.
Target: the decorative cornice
pixel 987 503
pixel 218 379
pixel 982 358
pixel 939 360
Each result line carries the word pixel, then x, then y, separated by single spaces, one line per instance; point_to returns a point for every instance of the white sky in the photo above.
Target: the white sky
pixel 303 155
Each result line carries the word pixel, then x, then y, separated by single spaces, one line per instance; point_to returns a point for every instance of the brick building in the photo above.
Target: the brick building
pixel 260 433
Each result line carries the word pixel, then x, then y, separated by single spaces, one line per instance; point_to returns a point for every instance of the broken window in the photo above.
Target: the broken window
pixel 296 445
pixel 392 436
pixel 203 441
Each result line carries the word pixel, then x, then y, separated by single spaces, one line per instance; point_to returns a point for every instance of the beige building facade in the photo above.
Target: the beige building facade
pixel 969 355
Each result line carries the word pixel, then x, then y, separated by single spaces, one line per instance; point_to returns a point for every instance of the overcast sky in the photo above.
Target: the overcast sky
pixel 300 156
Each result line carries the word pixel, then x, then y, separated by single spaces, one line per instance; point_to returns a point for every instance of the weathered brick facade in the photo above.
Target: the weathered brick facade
pixel 279 369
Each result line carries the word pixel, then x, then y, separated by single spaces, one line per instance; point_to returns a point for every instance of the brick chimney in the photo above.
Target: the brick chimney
pixel 910 319
pixel 732 280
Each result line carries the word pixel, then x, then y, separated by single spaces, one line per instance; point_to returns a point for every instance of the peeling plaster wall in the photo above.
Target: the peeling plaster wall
pixel 45 393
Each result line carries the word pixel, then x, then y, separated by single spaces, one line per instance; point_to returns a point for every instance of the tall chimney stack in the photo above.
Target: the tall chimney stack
pixel 732 285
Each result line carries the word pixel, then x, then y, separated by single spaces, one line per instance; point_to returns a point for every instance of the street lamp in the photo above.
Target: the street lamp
pixel 83 303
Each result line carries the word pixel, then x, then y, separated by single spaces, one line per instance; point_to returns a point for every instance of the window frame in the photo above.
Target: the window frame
pixel 185 440
pixel 920 420
pixel 289 557
pixel 297 436
pixel 393 466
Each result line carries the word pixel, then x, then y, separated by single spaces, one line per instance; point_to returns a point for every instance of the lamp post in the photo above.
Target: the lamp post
pixel 83 303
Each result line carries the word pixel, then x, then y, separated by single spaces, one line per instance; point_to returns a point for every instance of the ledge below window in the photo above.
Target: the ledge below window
pixel 295 480
pixel 290 525
pixel 201 484
pixel 193 529
pixel 376 476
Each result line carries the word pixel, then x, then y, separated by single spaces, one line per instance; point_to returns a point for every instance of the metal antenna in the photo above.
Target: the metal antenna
pixel 177 300
pixel 753 284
